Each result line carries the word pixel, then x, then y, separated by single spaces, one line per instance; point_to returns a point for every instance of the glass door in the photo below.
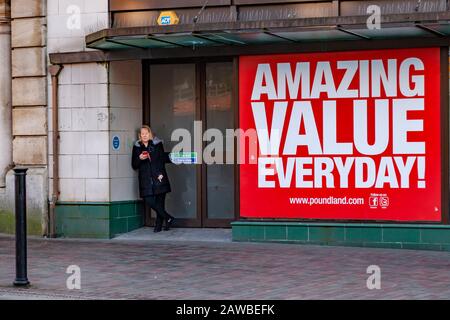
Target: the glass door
pixel 219 182
pixel 203 195
pixel 173 105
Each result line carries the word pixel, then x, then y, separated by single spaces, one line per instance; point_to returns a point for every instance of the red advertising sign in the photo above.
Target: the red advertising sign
pixel 341 135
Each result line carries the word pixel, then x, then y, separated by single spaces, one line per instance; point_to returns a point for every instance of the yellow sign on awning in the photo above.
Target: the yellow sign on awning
pixel 167 18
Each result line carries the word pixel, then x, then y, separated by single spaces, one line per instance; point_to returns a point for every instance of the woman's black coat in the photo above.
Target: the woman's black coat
pixel 149 170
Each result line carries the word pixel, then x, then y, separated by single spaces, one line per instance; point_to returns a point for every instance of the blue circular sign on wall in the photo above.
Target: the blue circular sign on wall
pixel 116 142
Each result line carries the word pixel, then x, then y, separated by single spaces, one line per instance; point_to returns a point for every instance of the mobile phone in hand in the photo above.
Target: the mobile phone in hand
pixel 144 153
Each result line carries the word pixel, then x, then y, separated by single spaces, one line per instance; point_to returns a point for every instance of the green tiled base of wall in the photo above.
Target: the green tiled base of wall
pixel 98 220
pixel 406 236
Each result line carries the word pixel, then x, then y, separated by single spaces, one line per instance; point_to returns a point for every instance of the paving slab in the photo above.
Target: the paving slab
pixel 178 234
pixel 181 267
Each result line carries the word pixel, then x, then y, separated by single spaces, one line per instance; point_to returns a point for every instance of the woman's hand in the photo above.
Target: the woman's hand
pixel 143 156
pixel 160 177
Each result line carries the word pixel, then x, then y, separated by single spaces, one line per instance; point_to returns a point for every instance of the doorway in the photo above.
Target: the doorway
pixel 175 96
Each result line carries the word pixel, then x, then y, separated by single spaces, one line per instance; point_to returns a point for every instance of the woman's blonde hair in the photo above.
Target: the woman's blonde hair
pixel 144 126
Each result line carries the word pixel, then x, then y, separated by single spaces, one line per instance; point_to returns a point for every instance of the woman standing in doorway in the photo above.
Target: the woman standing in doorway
pixel 150 159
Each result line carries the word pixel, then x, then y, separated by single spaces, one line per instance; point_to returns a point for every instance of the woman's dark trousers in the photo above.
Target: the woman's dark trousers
pixel 157 203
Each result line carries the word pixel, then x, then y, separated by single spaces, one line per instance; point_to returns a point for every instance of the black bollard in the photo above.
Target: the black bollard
pixel 21 228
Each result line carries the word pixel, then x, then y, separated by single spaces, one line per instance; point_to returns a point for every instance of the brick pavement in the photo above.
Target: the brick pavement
pixel 212 270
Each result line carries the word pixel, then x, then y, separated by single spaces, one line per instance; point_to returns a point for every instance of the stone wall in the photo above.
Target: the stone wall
pixel 125 95
pixel 98 188
pixel 83 129
pixel 83 103
pixel 5 92
pixel 70 20
pixel 29 121
pixel 29 98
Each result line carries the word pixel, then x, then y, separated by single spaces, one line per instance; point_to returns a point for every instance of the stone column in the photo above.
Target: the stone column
pixel 5 91
pixel 29 107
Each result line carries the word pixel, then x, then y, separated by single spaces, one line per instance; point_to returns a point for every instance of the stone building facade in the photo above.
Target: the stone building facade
pixel 96 101
pixel 104 64
pixel 24 106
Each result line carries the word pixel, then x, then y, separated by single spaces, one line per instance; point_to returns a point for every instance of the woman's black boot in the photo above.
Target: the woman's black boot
pixel 169 223
pixel 158 226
